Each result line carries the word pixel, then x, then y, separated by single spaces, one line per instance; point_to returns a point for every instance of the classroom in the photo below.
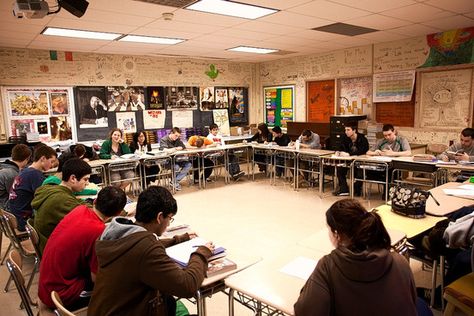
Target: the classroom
pixel 290 93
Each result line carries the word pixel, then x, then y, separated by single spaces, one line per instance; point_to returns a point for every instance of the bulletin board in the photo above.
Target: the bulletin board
pixel 279 105
pixel 320 100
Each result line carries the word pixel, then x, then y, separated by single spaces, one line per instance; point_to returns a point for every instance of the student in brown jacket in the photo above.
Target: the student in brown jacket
pixel 136 277
pixel 361 276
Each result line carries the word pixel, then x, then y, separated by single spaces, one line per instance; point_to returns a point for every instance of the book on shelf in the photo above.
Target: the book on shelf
pixel 219 266
pixel 181 252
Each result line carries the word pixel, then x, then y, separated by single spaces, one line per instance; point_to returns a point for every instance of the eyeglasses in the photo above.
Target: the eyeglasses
pixel 171 219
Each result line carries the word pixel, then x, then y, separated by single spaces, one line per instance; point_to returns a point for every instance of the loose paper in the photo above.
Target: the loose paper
pixel 300 267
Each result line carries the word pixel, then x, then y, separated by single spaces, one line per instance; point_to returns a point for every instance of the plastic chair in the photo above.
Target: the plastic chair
pixel 63 311
pixel 14 265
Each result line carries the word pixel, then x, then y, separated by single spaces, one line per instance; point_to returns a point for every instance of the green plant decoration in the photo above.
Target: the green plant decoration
pixel 213 72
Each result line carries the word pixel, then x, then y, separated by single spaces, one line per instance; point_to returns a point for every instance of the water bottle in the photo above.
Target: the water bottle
pixel 297 144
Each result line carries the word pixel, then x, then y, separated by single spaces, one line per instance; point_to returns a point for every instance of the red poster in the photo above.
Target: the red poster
pixel 320 101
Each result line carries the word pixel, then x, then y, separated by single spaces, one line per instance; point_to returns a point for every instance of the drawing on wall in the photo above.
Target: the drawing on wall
pixel 222 99
pixel 221 118
pixel 60 128
pixel 59 101
pixel 238 110
pixel 91 111
pixel 320 100
pixel 355 96
pixel 279 103
pixel 22 127
pixel 42 127
pixel 127 122
pixel 182 98
pixel 28 102
pixel 207 98
pixel 155 98
pixel 121 99
pixel 445 97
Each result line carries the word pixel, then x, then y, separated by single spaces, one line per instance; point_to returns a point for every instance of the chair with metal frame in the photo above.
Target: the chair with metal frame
pixel 63 311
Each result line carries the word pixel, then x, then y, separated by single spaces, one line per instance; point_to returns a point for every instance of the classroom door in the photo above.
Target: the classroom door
pixel 320 101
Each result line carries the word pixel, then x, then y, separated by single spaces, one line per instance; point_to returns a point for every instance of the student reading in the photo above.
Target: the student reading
pixel 361 276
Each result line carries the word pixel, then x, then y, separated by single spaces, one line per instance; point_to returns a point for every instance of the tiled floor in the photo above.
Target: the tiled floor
pixel 249 217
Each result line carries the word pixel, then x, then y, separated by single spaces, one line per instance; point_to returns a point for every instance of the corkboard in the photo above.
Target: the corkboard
pixel 320 101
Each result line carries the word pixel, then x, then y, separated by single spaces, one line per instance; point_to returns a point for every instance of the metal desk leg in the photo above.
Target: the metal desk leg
pixel 201 304
pixel 321 177
pixel 231 302
pixel 352 179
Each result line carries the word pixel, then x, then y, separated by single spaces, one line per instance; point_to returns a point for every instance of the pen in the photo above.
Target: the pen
pixel 437 203
pixel 195 246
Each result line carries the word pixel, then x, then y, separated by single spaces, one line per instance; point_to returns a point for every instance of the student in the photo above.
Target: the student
pixel 201 142
pixel 353 144
pixel 280 139
pixel 140 145
pixel 462 150
pixel 391 144
pixel 233 167
pixel 181 167
pixel 309 140
pixel 263 135
pixel 69 264
pixel 9 169
pixel 112 148
pixel 52 202
pixel 361 276
pixel 26 183
pixel 136 276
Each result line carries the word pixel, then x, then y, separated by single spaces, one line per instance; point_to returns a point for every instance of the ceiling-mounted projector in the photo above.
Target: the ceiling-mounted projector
pixel 30 9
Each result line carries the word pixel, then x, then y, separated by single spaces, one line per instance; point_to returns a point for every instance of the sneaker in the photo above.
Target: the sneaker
pixel 341 193
pixel 237 176
pixel 209 180
pixel 176 186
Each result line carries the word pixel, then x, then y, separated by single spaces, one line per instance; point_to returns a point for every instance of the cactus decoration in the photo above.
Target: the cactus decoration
pixel 213 72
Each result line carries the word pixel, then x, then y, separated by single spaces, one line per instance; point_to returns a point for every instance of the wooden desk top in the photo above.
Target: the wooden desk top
pixel 448 203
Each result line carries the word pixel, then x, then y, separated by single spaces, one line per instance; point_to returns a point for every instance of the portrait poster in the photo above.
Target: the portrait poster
pixel 153 119
pixel 22 127
pixel 28 102
pixel 59 102
pixel 182 98
pixel 222 98
pixel 135 98
pixel 127 122
pixel 91 108
pixel 42 127
pixel 207 98
pixel 182 119
pixel 238 110
pixel 155 98
pixel 60 128
pixel 221 118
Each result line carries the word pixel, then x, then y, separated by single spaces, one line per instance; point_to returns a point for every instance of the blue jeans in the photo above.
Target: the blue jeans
pixel 181 169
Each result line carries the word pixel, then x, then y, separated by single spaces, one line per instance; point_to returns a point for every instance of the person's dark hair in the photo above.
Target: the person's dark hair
pixel 468 132
pixel 264 129
pixel 63 158
pixel 77 167
pixel 137 134
pixel 363 230
pixel 353 127
pixel 175 130
pixel 306 133
pixel 44 151
pixel 79 150
pixel 388 127
pixel 277 129
pixel 113 130
pixel 110 201
pixel 21 152
pixel 153 200
pixel 199 142
pixel 213 126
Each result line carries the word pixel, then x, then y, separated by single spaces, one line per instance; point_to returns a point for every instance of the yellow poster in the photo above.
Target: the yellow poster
pixel 286 99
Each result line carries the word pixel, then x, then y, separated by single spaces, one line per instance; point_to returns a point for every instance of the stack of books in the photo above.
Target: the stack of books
pixel 372 130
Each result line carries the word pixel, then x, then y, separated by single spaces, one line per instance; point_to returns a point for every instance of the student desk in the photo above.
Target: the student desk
pixel 125 164
pixel 410 226
pixel 285 158
pixel 336 162
pixel 266 151
pixel 371 163
pixel 402 165
pixel 448 203
pixel 241 153
pixel 164 163
pixel 309 158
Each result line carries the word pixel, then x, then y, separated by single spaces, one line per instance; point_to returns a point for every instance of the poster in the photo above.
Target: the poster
pixel 355 96
pixel 320 101
pixel 221 118
pixel 394 86
pixel 207 98
pixel 59 102
pixel 182 119
pixel 28 102
pixel 155 98
pixel 42 127
pixel 127 121
pixel 445 98
pixel 238 110
pixel 279 104
pixel 60 127
pixel 222 98
pixel 91 108
pixel 153 119
pixel 22 127
pixel 182 98
pixel 121 99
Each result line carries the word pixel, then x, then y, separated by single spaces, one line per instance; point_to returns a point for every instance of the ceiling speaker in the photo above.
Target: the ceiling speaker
pixel 75 7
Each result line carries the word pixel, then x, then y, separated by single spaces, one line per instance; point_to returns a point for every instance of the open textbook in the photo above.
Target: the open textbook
pixel 182 251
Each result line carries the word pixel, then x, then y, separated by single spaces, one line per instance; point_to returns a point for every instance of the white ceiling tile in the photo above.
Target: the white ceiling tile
pixel 114 17
pixel 183 26
pixel 326 46
pixel 353 41
pixel 295 19
pixel 458 6
pixel 452 22
pixel 415 30
pixel 418 13
pixel 329 10
pixel 317 35
pixel 20 27
pixel 225 41
pixel 376 5
pixel 91 26
pixel 275 4
pixel 287 39
pixel 146 31
pixel 383 36
pixel 378 22
pixel 243 34
pixel 265 27
pixel 184 15
pixel 137 7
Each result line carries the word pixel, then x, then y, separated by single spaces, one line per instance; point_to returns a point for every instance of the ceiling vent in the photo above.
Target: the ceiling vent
pixel 344 29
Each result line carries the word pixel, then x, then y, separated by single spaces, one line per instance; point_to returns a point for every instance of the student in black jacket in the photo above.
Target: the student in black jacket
pixel 263 135
pixel 280 139
pixel 353 144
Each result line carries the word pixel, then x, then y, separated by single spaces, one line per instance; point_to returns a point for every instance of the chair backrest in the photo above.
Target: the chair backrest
pixel 60 309
pixel 18 242
pixel 151 137
pixel 14 263
pixel 33 234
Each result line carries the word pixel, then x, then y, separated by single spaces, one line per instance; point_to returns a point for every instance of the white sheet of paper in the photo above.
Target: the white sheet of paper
pixel 300 267
pixel 182 119
pixel 458 192
pixel 466 187
pixel 154 119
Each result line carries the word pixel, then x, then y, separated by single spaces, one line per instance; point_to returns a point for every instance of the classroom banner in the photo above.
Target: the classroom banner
pixel 279 105
pixel 394 86
pixel 153 119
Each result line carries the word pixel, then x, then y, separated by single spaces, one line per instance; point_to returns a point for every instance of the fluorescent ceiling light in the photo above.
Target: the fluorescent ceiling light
pixel 151 39
pixel 80 34
pixel 256 50
pixel 240 10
